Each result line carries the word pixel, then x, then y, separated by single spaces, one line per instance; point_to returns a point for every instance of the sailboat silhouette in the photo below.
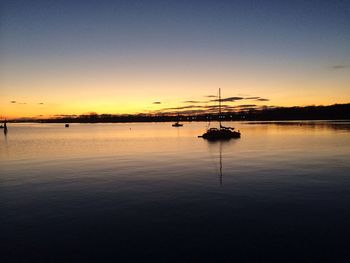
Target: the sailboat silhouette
pixel 223 133
pixel 177 123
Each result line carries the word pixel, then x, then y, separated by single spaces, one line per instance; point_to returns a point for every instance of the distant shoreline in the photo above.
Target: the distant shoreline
pixel 185 121
pixel 336 112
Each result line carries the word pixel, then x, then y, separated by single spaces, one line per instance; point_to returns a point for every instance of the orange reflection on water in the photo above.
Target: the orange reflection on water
pixel 50 141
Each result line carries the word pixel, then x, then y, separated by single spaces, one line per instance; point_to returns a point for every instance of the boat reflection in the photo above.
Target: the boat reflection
pixel 220 169
pixel 220 145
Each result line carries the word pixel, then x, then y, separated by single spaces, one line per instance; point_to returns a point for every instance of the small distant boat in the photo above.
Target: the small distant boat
pixel 66 125
pixel 221 133
pixel 4 126
pixel 177 124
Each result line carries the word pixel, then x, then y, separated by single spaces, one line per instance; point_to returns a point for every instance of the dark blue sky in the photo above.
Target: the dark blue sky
pixel 291 27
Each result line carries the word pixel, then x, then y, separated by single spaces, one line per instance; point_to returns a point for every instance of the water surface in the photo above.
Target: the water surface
pixel 149 191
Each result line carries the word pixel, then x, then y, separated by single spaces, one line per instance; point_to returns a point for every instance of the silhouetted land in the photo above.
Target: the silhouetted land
pixel 332 112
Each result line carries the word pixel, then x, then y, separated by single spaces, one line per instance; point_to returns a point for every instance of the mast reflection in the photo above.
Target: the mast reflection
pixel 220 169
pixel 220 145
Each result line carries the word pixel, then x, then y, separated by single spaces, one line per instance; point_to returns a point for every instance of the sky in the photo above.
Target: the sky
pixel 118 57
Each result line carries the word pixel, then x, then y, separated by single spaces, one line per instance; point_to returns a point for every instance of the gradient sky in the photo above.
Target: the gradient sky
pixel 74 57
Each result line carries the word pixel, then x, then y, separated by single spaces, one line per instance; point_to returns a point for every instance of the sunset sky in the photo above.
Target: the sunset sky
pixel 74 57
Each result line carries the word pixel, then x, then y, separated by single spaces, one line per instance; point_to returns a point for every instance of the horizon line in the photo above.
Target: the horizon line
pixel 210 111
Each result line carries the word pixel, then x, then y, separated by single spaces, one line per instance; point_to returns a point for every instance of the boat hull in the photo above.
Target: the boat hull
pixel 214 135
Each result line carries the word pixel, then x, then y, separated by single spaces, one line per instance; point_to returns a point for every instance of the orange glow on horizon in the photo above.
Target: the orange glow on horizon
pixel 40 95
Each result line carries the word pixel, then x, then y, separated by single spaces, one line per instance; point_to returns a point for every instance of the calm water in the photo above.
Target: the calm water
pixel 140 192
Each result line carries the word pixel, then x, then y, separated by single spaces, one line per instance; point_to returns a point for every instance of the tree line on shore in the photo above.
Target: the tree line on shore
pixel 331 112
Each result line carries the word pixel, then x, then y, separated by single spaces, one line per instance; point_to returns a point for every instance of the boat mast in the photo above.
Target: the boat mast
pixel 220 106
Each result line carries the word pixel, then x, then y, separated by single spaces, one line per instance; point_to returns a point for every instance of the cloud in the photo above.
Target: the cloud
pixel 181 108
pixel 157 102
pixel 196 109
pixel 201 106
pixel 230 99
pixel 238 107
pixel 65 115
pixel 256 98
pixel 233 99
pixel 194 101
pixel 340 66
pixel 245 106
pixel 16 102
pixel 189 112
pixel 214 106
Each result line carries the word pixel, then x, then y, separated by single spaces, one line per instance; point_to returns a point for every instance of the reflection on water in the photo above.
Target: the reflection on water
pixel 148 191
pixel 220 173
pixel 219 143
pixel 317 125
